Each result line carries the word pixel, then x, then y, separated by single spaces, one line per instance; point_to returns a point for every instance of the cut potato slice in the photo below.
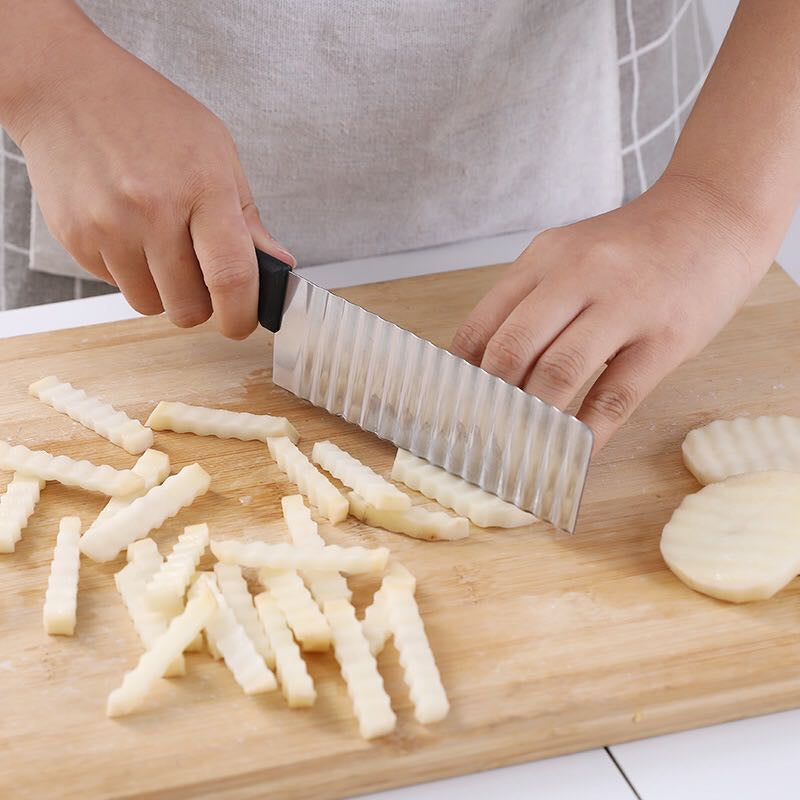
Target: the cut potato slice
pixel 16 506
pixel 309 480
pixel 416 522
pixel 746 444
pixel 61 598
pixel 304 532
pixel 738 540
pixel 234 645
pixel 416 657
pixel 484 509
pixel 331 557
pixel 376 626
pixel 100 417
pixel 144 561
pixel 183 418
pixel 234 589
pixel 302 613
pixel 153 468
pixel 293 677
pixel 156 661
pixel 145 513
pixel 41 464
pixel 165 590
pixel 371 703
pixel 377 491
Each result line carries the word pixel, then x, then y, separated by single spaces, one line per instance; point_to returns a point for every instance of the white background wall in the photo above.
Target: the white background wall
pixel 719 16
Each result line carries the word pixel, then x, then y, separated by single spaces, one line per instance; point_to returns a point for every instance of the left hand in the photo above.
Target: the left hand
pixel 637 290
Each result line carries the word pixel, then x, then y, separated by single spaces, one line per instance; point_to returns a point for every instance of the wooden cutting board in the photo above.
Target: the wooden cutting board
pixel 547 643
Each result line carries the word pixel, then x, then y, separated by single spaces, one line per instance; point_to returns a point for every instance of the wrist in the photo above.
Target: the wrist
pixel 42 46
pixel 728 217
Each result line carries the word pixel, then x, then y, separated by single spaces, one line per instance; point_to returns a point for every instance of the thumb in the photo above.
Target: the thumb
pixel 262 238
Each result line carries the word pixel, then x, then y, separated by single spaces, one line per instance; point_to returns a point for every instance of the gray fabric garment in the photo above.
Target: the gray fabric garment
pixel 550 146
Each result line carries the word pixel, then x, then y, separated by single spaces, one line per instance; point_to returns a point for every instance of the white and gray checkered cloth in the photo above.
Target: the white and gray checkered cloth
pixel 664 52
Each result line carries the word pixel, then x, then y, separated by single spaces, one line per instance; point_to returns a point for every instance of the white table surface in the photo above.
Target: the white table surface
pixel 755 759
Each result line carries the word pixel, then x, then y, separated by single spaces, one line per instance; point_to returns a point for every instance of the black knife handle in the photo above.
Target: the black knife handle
pixel 272 277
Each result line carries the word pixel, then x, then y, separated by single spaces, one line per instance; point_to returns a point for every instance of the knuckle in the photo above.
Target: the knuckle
pixel 470 340
pixel 229 276
pixel 563 369
pixel 508 351
pixel 614 403
pixel 136 192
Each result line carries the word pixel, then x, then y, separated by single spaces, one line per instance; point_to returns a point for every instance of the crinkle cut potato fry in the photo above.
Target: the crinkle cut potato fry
pixel 724 448
pixel 83 474
pixel 482 508
pixel 153 468
pixel 155 662
pixel 295 682
pixel 17 504
pixel 308 479
pixel 330 558
pixel 94 414
pixel 145 513
pixel 232 642
pixel 737 540
pixel 202 421
pixel 416 522
pixel 165 590
pixel 375 625
pixel 61 598
pixel 375 490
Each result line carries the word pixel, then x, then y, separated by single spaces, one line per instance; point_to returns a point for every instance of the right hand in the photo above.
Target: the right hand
pixel 142 184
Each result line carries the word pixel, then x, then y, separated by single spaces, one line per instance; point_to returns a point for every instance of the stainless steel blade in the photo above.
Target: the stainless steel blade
pixel 423 399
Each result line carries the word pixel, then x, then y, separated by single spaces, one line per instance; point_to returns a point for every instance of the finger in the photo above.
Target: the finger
pixel 521 278
pixel 224 248
pixel 177 276
pixel 262 238
pixel 632 374
pixel 529 329
pixel 576 354
pixel 129 270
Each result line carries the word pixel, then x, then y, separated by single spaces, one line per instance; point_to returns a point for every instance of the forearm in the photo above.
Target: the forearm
pixel 740 147
pixel 35 36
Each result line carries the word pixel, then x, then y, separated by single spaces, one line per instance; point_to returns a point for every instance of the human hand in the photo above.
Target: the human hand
pixel 142 184
pixel 640 289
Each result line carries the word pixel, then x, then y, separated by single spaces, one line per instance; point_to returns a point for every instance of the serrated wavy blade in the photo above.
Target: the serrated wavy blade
pixel 423 399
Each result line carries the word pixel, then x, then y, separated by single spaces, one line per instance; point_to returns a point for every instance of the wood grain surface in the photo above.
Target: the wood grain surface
pixel 547 643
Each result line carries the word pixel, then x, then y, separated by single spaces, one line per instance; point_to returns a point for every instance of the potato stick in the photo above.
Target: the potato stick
pixel 144 561
pixel 232 642
pixel 41 464
pixel 165 590
pixel 302 613
pixel 309 480
pixel 293 677
pixel 16 506
pixel 100 417
pixel 234 589
pixel 725 448
pixel 331 557
pixel 416 657
pixel 183 418
pixel 416 522
pixel 304 533
pixel 61 598
pixel 145 513
pixel 376 625
pixel 359 477
pixel 484 509
pixel 153 468
pixel 154 662
pixel 371 704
